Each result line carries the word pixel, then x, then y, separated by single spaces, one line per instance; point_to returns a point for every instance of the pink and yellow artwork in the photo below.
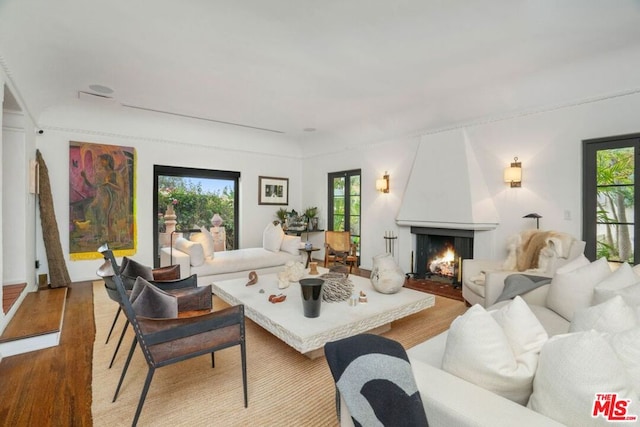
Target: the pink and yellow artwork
pixel 101 199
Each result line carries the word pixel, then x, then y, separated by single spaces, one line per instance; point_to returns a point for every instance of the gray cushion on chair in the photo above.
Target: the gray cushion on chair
pixel 134 269
pixel 148 300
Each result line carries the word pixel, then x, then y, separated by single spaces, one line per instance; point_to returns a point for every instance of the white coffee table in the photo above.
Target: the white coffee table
pixel 337 320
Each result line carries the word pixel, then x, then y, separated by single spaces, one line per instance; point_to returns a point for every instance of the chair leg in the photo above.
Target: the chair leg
pixel 124 369
pixel 113 324
pixel 143 395
pixel 243 355
pixel 124 330
pixel 213 359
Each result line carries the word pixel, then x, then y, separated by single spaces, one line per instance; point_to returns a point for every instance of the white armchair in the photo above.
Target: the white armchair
pixel 534 252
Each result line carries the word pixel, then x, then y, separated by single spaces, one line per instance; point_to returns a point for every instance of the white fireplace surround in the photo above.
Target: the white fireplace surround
pixel 450 192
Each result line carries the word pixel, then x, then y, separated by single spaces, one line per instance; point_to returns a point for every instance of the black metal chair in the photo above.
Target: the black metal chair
pixel 169 273
pixel 171 340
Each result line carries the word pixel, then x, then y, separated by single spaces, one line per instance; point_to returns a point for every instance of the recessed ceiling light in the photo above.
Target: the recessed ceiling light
pixel 309 129
pixel 101 89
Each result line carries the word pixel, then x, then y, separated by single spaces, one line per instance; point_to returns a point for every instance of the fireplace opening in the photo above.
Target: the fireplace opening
pixel 439 253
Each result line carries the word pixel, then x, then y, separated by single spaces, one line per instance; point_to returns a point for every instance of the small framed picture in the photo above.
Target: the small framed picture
pixel 273 191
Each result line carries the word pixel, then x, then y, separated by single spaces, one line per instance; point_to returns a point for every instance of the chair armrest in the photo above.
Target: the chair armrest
pixel 474 267
pixel 494 285
pixel 158 331
pixel 171 257
pixel 170 272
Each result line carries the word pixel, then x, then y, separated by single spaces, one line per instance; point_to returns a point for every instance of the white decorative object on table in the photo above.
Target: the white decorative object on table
pixel 386 276
pixel 293 272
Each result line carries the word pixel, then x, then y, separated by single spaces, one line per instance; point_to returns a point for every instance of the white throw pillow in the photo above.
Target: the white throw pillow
pixel 572 370
pixel 205 238
pixel 193 249
pixel 613 315
pixel 631 294
pixel 291 244
pixel 521 326
pixel 621 278
pixel 627 347
pixel 501 359
pixel 578 262
pixel 272 237
pixel 572 290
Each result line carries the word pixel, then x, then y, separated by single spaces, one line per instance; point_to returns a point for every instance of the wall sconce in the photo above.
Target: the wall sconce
pixel 382 184
pixel 513 174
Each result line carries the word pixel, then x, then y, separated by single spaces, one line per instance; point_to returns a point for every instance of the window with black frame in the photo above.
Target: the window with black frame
pixel 610 213
pixel 190 198
pixel 344 204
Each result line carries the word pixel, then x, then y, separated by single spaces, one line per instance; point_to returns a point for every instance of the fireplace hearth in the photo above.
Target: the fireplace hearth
pixel 439 253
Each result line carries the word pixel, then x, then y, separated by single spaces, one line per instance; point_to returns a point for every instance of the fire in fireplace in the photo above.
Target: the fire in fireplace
pixel 444 264
pixel 440 253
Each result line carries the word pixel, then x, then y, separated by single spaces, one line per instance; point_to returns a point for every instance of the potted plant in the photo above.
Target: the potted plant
pixel 282 215
pixel 312 221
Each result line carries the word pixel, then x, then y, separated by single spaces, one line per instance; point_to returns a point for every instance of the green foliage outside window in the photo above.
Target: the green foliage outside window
pixel 194 207
pixel 615 204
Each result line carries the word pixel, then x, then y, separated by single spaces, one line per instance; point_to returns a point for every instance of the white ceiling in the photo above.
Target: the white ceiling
pixel 371 68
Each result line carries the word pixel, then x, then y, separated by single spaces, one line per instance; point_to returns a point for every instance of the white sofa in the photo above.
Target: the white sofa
pixel 228 264
pixel 197 256
pixel 452 401
pixel 483 280
pixel 580 292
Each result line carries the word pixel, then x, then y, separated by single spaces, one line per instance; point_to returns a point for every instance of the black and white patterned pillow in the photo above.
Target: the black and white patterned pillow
pixel 374 376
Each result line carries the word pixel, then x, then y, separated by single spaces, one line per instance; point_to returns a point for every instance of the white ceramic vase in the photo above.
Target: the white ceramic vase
pixel 386 276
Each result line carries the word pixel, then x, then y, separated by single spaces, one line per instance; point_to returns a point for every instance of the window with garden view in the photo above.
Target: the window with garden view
pixel 195 195
pixel 609 212
pixel 344 204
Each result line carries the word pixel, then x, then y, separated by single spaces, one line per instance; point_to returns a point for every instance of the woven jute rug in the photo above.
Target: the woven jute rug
pixel 285 387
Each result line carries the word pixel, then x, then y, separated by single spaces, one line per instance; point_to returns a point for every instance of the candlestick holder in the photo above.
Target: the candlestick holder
pixel 389 242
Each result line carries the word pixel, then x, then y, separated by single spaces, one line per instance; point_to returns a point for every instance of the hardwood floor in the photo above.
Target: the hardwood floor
pixel 52 387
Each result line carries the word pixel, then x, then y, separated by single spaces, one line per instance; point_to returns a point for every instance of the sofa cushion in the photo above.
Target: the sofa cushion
pixel 205 238
pixel 572 290
pixel 272 237
pixel 291 244
pixel 193 249
pixel 574 368
pixel 613 315
pixel 246 259
pixel 496 350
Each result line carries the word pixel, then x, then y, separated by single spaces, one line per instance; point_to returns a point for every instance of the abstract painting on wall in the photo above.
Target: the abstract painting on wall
pixel 101 199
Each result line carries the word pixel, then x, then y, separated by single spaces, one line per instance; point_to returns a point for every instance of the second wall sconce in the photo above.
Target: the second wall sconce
pixel 382 184
pixel 513 174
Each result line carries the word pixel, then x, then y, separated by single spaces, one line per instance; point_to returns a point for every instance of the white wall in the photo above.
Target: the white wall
pixel 14 175
pixel 17 206
pixel 165 140
pixel 548 143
